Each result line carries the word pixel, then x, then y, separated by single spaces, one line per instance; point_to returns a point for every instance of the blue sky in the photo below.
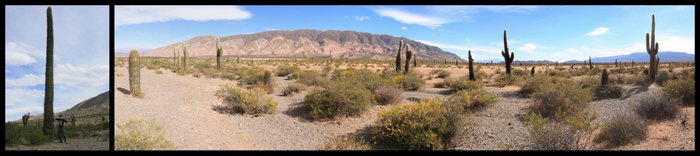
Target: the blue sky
pixel 81 56
pixel 534 32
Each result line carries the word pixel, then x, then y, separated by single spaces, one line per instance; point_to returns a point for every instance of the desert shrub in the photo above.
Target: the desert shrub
pixel 309 77
pixel 520 72
pixel 560 100
pixel 622 130
pixel 608 92
pixel 16 133
pixel 504 80
pixel 284 70
pixel 472 99
pixel 364 77
pixel 252 102
pixel 427 125
pixel 635 79
pixel 681 89
pixel 255 75
pixel 35 136
pixel 535 84
pixel 12 133
pixel 141 135
pixel 589 83
pixel 388 95
pixel 265 88
pixel 462 83
pixel 440 84
pixel 340 99
pixel 408 81
pixel 547 135
pixel 293 88
pixel 658 106
pixel 347 142
pixel 662 76
pixel 326 70
pixel 441 73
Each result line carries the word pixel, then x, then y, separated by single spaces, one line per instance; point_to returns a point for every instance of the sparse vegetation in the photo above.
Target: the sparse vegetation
pixel 657 107
pixel 388 95
pixel 427 125
pixel 622 130
pixel 293 88
pixel 682 89
pixel 284 70
pixel 141 135
pixel 347 142
pixel 462 84
pixel 340 99
pixel 441 73
pixel 253 102
pixel 472 99
pixel 309 77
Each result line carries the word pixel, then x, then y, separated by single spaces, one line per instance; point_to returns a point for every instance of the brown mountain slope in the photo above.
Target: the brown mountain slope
pixel 305 43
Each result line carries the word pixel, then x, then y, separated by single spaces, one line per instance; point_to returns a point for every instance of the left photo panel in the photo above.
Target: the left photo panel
pixel 57 78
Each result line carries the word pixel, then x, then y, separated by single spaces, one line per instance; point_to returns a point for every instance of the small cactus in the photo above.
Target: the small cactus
pixel 184 59
pixel 135 73
pixel 219 52
pixel 409 54
pixel 590 63
pixel 532 71
pixel 414 60
pixel 604 79
pixel 471 67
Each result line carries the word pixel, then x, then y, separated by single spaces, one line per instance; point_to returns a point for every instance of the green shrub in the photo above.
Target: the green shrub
pixel 347 142
pixel 441 73
pixel 462 83
pixel 505 80
pixel 293 88
pixel 35 136
pixel 608 92
pixel 440 84
pixel 255 75
pixel 472 99
pixel 635 79
pixel 681 89
pixel 535 84
pixel 15 133
pixel 409 81
pixel 560 100
pixel 364 77
pixel 662 76
pixel 309 77
pixel 657 107
pixel 427 125
pixel 388 95
pixel 141 135
pixel 622 130
pixel 547 135
pixel 247 102
pixel 340 99
pixel 284 70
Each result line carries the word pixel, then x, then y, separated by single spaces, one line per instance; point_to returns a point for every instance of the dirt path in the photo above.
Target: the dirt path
pixel 183 106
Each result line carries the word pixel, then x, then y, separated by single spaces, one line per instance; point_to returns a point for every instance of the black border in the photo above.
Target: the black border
pixel 112 4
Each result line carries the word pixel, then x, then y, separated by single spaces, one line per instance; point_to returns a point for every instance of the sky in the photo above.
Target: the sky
pixel 81 57
pixel 557 33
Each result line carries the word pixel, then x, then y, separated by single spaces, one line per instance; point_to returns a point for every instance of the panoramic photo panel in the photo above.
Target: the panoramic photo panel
pixel 57 78
pixel 404 77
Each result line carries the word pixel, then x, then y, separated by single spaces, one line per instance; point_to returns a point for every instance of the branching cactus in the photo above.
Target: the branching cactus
pixel 653 49
pixel 398 57
pixel 48 92
pixel 471 67
pixel 135 73
pixel 508 60
pixel 409 54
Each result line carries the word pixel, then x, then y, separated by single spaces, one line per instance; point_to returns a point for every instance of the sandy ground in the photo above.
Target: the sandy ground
pixel 184 106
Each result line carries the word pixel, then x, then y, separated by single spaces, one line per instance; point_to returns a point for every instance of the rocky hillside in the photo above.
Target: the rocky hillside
pixel 304 43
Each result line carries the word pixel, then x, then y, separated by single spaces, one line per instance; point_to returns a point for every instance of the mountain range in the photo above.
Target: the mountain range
pixel 304 43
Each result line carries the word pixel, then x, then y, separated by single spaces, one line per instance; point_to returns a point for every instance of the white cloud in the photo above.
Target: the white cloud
pixel 667 43
pixel 21 97
pixel 78 76
pixel 25 80
pixel 598 31
pixel 511 9
pixel 571 50
pixel 528 47
pixel 361 18
pixel 412 18
pixel 22 110
pixel 403 28
pixel 20 53
pixel 474 49
pixel 128 15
